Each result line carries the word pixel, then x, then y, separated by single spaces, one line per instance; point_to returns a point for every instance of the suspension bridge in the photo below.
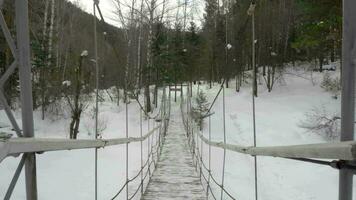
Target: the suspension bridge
pixel 174 168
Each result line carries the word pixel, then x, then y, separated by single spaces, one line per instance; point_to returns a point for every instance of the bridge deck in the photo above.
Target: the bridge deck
pixel 175 176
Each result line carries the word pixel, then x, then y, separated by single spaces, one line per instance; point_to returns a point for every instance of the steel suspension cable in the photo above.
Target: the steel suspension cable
pixel 226 5
pixel 254 91
pixel 201 154
pixel 151 154
pixel 209 151
pixel 202 164
pixel 132 179
pixel 96 4
pixel 148 146
pixel 145 112
pixel 224 156
pixel 152 142
pixel 197 157
pixel 141 153
pixel 212 177
pixel 216 96
pixel 157 137
pixel 127 146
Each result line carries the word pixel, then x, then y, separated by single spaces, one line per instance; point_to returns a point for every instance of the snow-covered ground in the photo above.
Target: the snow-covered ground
pixel 278 115
pixel 70 174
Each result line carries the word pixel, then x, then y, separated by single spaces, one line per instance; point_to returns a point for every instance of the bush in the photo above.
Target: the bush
pixel 200 109
pixel 90 123
pixel 321 122
pixel 331 85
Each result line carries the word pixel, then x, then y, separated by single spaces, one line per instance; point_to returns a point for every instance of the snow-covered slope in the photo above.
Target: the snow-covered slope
pixel 70 174
pixel 278 115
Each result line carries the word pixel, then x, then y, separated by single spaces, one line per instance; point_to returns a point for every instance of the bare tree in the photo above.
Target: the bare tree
pixel 322 122
pixel 75 96
pixel 137 17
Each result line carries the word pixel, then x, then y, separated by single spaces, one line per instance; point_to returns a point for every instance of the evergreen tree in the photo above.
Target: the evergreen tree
pixel 319 30
pixel 199 111
pixel 209 31
pixel 193 53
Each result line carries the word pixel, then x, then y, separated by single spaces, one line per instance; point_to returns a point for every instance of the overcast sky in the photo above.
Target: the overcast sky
pixel 108 7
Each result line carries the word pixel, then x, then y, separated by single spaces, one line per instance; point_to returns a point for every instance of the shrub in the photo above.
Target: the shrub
pixel 331 85
pixel 200 109
pixel 90 123
pixel 321 122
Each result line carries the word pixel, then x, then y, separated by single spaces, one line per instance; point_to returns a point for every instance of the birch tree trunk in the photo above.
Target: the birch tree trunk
pixel 50 34
pixel 149 55
pixel 42 70
pixel 139 74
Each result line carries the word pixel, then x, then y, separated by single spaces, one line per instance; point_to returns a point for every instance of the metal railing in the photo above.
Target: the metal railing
pixel 338 155
pixel 154 138
pixel 343 152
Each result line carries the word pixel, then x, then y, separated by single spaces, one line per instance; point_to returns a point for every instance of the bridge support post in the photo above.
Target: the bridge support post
pixel 23 50
pixel 348 90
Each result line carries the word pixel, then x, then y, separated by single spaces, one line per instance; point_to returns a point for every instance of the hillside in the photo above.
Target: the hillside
pixel 278 117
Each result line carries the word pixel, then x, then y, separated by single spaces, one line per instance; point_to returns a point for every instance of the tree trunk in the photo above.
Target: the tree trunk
pixel 76 127
pixel 42 70
pixel 77 107
pixel 321 63
pixel 118 95
pixel 50 36
pixel 71 127
pixel 149 56
pixel 148 98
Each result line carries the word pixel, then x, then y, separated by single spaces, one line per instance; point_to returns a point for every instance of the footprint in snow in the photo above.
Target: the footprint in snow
pixel 233 116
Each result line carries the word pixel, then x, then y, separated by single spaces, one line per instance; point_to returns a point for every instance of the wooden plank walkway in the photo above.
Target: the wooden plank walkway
pixel 175 176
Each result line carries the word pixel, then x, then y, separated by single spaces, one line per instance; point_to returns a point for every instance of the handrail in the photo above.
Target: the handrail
pixel 342 154
pixel 149 163
pixel 163 124
pixel 14 146
pixel 336 150
pixel 198 159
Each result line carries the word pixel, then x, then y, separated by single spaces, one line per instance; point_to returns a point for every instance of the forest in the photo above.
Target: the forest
pixel 177 99
pixel 158 44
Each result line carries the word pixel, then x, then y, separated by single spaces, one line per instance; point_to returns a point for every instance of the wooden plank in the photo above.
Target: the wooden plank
pixel 175 176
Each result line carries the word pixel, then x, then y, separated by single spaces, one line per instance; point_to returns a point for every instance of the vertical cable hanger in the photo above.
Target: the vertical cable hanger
pixel 127 147
pixel 226 8
pixel 96 5
pixel 251 12
pixel 141 153
pixel 224 156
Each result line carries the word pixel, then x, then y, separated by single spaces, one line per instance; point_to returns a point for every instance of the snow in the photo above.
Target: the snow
pixel 277 117
pixel 175 177
pixel 84 53
pixel 330 67
pixel 66 83
pixel 70 174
